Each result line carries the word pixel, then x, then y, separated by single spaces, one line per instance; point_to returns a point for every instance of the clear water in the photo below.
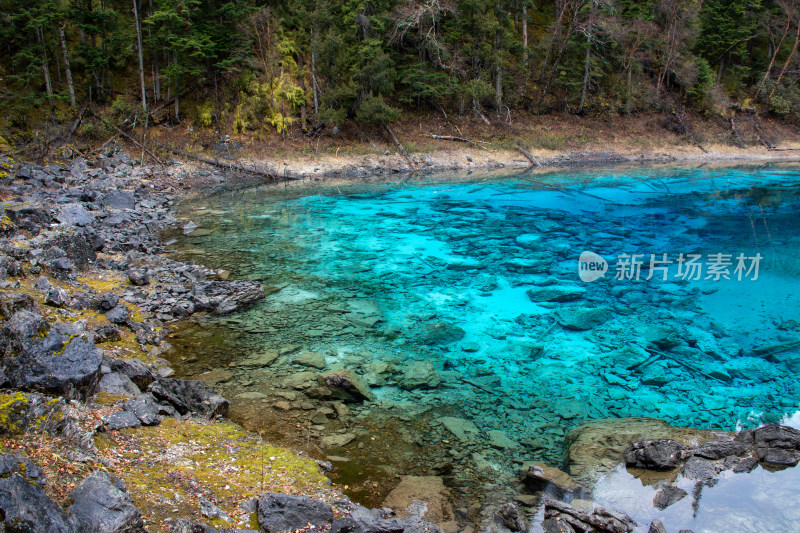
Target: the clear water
pixel 394 273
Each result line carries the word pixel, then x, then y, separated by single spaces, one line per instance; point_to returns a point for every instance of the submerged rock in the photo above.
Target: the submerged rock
pixel 440 333
pixel 420 375
pixel 430 491
pixel 556 293
pixel 347 386
pixel 543 477
pixel 582 318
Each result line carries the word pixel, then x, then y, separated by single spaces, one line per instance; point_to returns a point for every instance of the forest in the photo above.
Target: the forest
pixel 247 65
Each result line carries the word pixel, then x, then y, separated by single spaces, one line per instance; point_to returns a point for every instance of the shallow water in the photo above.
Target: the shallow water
pixel 423 289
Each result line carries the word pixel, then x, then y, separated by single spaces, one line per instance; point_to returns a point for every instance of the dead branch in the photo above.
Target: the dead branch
pixel 456 139
pixel 736 133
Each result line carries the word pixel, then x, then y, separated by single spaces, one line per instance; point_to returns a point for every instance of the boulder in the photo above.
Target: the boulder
pixel 75 247
pixel 141 374
pixel 119 315
pixel 775 446
pixel 121 420
pixel 661 454
pixel 22 411
pixel 279 513
pixel 118 200
pixel 363 520
pixel 189 396
pixel 26 468
pixel 74 215
pixel 347 386
pixel 56 362
pixel 116 383
pixel 24 506
pixel 102 505
pixel 145 408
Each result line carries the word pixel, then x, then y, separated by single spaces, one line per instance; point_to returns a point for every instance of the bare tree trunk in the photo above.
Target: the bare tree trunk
pixel 524 33
pixel 774 53
pixel 67 68
pixel 302 80
pixel 314 76
pixel 45 68
pixel 786 64
pixel 586 62
pixel 177 96
pixel 141 54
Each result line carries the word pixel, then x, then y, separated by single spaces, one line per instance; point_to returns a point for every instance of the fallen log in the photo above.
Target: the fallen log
pixel 736 133
pixel 400 147
pixel 529 156
pixel 227 165
pixel 141 147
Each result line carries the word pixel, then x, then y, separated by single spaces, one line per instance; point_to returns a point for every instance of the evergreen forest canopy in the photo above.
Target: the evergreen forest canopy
pixel 245 65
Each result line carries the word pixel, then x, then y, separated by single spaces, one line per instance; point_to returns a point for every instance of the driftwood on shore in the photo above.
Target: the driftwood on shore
pixel 141 147
pixel 227 165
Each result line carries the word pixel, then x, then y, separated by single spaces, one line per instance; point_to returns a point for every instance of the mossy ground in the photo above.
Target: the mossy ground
pixel 168 468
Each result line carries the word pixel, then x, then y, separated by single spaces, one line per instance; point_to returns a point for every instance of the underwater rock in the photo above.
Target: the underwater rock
pixel 312 359
pixel 509 516
pixel 529 240
pixel 338 440
pixel 582 318
pixel 556 293
pixel 499 440
pixel 420 375
pixel 464 430
pixel 440 333
pixel 347 386
pixel 541 477
pixel 661 337
pixel 431 491
pixel 661 454
pixel 283 513
pixel 667 496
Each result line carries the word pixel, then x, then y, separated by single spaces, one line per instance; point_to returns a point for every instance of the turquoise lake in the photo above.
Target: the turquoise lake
pixel 463 299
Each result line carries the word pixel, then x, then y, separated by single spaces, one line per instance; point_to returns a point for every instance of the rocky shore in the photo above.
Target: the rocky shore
pixel 98 434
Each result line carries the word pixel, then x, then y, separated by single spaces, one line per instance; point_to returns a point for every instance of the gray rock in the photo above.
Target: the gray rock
pixel 74 215
pixel 57 297
pixel 145 408
pixel 656 526
pixel 667 496
pixel 363 520
pixel 137 371
pixel 138 276
pixel 116 383
pixel 121 420
pixel 312 359
pixel 189 396
pixel 102 505
pixel 24 467
pixel 118 200
pixel 662 454
pixel 25 507
pixel 284 513
pixel 11 302
pixel 55 362
pixel 118 315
